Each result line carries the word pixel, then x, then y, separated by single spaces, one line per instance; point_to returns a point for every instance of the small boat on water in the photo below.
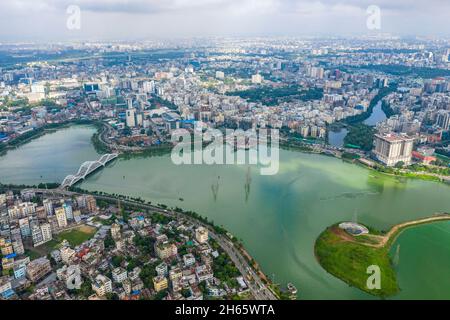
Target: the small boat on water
pixel 292 289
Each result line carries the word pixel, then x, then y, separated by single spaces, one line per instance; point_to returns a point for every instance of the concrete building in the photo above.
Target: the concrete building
pixel 115 231
pixel 48 205
pixel 130 118
pixel 38 268
pixel 160 283
pixel 46 230
pixel 67 254
pixel 102 285
pixel 201 235
pixel 393 148
pixel 91 204
pixel 61 218
pixel 165 249
pixel 119 274
pixel 257 79
pixel 443 119
pixel 36 235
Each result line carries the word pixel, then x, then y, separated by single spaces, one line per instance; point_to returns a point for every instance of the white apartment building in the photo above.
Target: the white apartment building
pixel 393 148
pixel 119 274
pixel 102 285
pixel 61 218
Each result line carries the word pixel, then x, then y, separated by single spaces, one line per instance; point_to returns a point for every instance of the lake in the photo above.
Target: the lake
pixel 278 217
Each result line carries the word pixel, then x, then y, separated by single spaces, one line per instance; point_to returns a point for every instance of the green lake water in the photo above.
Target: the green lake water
pixel 281 215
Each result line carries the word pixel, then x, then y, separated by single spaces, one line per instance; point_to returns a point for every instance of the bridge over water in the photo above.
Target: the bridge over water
pixel 86 169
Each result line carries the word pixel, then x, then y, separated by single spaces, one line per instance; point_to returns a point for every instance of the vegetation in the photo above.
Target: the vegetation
pixel 109 242
pixel 350 156
pixel 360 135
pixel 348 260
pixel 163 103
pixel 77 236
pixel 365 115
pixel 401 70
pixel 388 111
pixel 145 244
pixel 225 270
pixel 270 96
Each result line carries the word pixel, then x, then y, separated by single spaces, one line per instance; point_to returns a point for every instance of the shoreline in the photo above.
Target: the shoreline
pixel 101 147
pixel 346 256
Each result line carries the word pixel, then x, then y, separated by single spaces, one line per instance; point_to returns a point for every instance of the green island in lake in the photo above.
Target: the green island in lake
pixel 347 250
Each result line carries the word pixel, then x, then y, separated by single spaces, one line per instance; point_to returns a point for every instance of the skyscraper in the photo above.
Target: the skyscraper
pixel 61 217
pixel 393 148
pixel 130 119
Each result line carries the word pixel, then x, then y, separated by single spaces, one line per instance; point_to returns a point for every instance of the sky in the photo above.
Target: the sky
pixel 58 20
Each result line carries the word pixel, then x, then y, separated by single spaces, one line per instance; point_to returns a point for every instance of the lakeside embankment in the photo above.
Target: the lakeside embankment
pixel 348 257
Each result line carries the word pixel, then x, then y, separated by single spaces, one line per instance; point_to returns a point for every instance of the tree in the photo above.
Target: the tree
pixel 117 261
pixel 86 288
pixel 109 242
pixel 399 164
pixel 185 293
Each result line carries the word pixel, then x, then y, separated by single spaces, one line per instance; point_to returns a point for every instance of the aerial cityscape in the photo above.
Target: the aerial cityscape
pixel 262 165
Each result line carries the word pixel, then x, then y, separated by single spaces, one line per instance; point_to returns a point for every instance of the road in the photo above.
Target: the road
pixel 258 289
pixel 384 239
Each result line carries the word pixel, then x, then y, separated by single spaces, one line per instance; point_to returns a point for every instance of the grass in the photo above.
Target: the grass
pixel 348 261
pixel 77 235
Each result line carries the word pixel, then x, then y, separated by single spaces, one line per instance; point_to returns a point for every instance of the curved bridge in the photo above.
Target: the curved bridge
pixel 86 169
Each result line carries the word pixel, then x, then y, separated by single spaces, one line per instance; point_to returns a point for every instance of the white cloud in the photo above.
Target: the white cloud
pixel 142 18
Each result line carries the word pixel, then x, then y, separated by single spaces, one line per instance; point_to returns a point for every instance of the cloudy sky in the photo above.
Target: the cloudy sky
pixel 137 19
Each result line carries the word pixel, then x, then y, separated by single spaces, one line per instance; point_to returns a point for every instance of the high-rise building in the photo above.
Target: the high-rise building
pixel 60 214
pixel 91 204
pixel 393 148
pixel 130 118
pixel 18 247
pixel 68 210
pixel 46 231
pixel 36 234
pixel 315 72
pixel 24 226
pixel 115 231
pixel 443 119
pixel 48 205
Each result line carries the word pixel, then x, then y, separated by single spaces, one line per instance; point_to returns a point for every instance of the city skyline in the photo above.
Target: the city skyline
pixel 46 20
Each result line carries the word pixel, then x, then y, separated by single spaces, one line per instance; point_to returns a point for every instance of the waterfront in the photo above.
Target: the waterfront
pixel 278 219
pixel 336 138
pixel 376 116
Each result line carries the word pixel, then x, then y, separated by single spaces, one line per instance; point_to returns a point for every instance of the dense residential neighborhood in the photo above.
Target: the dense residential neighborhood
pixel 79 248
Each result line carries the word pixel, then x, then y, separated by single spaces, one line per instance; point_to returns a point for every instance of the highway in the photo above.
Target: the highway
pixel 258 289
